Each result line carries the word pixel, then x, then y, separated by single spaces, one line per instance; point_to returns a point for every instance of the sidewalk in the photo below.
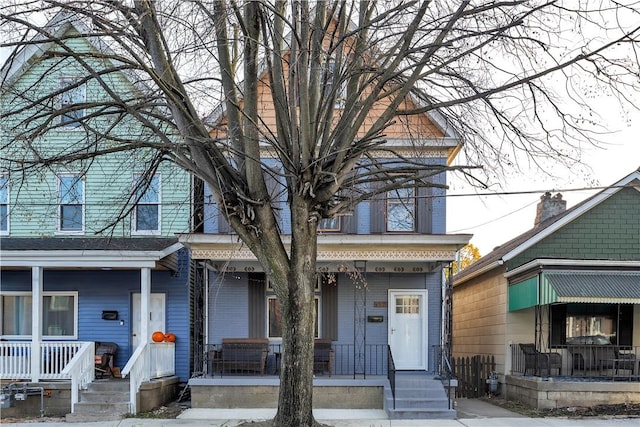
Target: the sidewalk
pixel 471 413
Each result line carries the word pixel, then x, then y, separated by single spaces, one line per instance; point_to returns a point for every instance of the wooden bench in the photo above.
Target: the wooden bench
pixel 241 355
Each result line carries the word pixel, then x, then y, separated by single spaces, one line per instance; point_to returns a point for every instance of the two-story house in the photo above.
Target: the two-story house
pixel 88 246
pixel 379 291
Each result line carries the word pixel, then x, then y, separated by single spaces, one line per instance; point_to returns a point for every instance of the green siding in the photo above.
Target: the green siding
pixel 523 294
pixel 608 231
pixel 108 179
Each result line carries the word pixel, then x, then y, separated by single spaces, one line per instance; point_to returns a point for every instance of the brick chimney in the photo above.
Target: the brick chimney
pixel 549 206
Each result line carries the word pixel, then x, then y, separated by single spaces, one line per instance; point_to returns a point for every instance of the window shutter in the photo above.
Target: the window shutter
pixel 257 305
pixel 424 210
pixel 329 309
pixel 378 213
pixel 349 223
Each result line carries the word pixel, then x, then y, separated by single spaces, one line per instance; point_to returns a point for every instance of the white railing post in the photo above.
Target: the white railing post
pixel 81 369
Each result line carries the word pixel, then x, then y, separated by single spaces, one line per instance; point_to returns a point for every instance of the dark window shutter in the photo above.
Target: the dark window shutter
pixel 378 212
pixel 424 208
pixel 257 305
pixel 329 309
pixel 349 223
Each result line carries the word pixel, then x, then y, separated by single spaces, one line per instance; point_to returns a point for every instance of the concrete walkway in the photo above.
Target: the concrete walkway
pixel 471 413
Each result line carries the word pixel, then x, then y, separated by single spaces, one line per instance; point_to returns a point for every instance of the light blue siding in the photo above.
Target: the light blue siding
pixel 228 306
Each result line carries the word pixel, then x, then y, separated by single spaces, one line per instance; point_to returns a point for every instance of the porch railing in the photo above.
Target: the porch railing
pixel 81 370
pixel 602 362
pixel 150 360
pixel 391 374
pixel 346 360
pixel 15 359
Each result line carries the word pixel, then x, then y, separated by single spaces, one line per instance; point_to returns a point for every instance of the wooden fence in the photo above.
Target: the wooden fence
pixel 472 373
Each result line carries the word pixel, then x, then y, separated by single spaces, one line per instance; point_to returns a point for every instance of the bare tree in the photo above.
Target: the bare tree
pixel 487 68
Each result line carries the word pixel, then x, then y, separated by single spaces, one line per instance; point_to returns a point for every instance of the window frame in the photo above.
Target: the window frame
pixel 337 229
pixel 559 322
pixel 5 197
pixel 59 217
pixel 402 202
pixel 271 296
pixel 66 121
pixel 73 294
pixel 142 202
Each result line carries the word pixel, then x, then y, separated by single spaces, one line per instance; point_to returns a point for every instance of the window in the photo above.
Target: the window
pixel 75 94
pixel 4 205
pixel 329 224
pixel 401 210
pixel 146 214
pixel 274 318
pixel 70 203
pixel 331 74
pixel 576 322
pixel 59 314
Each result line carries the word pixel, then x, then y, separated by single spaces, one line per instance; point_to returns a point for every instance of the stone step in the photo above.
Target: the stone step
pixel 426 393
pixel 422 414
pixel 89 418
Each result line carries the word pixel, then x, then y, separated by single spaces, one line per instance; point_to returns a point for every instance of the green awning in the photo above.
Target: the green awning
pixel 613 287
pixel 604 287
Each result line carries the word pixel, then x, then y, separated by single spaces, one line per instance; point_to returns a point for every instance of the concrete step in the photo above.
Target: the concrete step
pixel 91 396
pixel 418 396
pixel 103 400
pixel 120 408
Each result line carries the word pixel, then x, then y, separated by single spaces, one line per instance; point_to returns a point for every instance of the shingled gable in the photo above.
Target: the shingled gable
pixel 519 244
pixel 450 137
pixel 51 35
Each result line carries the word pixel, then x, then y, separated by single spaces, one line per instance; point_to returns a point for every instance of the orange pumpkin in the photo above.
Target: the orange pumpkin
pixel 157 336
pixel 169 338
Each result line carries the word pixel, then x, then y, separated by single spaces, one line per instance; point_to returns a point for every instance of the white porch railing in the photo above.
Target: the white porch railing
pixel 15 359
pixel 81 369
pixel 151 360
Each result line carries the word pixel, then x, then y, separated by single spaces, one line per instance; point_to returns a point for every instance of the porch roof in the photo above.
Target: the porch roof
pixel 377 250
pixel 86 252
pixel 575 286
pixel 592 287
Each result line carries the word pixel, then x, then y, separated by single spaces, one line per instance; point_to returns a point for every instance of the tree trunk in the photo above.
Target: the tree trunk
pixel 295 408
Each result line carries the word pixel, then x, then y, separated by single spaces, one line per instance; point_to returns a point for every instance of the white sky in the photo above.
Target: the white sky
pixel 494 220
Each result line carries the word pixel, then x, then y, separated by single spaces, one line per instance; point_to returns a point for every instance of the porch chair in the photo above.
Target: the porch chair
pixel 539 361
pixel 104 356
pixel 609 357
pixel 323 355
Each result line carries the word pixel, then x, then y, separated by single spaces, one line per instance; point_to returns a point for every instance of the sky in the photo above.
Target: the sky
pixel 496 219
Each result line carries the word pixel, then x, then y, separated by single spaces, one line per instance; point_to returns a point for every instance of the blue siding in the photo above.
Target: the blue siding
pixel 111 290
pixel 228 306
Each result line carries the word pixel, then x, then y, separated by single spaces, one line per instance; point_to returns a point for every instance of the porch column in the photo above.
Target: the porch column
pixel 145 313
pixel 36 322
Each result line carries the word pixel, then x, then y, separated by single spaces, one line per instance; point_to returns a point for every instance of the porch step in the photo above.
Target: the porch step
pixel 419 395
pixel 103 400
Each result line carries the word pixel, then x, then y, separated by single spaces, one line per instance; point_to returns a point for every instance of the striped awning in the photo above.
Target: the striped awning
pixel 610 287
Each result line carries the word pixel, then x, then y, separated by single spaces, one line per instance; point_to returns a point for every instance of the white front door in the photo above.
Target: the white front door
pixel 408 328
pixel 156 317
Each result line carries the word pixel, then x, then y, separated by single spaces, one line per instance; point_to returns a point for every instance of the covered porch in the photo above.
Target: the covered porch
pixel 46 286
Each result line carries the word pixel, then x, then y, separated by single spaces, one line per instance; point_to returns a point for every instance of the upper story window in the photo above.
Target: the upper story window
pixel 401 210
pixel 329 224
pixel 59 314
pixel 146 214
pixel 341 92
pixel 70 203
pixel 4 204
pixel 74 94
